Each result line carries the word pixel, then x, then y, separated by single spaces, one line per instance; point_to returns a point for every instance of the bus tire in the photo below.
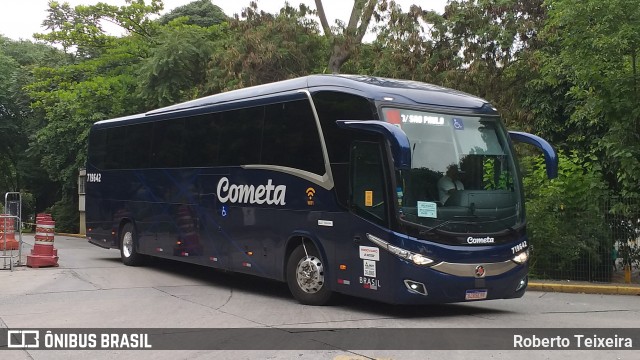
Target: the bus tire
pixel 128 244
pixel 306 276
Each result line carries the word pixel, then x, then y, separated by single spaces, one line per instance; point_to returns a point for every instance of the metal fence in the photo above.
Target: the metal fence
pixel 593 245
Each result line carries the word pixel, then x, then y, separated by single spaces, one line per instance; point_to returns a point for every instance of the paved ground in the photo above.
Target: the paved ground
pixel 92 289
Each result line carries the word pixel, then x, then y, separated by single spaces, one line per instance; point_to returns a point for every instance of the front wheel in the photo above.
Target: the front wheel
pixel 128 244
pixel 306 276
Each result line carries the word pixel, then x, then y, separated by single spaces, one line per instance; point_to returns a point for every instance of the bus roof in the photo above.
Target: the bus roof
pixel 404 92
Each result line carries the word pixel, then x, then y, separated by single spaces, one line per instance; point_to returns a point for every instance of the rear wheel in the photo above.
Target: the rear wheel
pixel 128 245
pixel 306 276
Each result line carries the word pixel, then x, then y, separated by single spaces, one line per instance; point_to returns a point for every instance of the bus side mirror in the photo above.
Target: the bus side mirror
pixel 400 147
pixel 550 155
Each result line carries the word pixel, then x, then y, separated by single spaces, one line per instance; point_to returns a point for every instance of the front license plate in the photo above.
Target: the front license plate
pixel 475 295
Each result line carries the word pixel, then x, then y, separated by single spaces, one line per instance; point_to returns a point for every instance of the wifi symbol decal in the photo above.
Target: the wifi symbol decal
pixel 310 194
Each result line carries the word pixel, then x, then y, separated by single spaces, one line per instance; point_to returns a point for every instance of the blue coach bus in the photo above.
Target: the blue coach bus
pixel 392 190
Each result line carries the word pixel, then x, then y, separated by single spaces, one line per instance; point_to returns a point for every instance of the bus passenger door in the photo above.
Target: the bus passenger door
pixel 369 214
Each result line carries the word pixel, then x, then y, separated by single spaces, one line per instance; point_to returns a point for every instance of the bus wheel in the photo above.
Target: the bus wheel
pixel 306 276
pixel 128 253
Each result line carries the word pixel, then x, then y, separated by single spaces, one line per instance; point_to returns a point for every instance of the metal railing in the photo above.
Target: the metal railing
pixel 593 246
pixel 13 211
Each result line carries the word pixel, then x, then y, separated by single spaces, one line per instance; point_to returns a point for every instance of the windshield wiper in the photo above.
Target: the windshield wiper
pixel 457 217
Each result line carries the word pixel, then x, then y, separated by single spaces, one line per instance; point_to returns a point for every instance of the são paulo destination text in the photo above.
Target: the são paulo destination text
pixel 577 341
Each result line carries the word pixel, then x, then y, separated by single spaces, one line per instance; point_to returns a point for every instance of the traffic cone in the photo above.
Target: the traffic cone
pixel 8 233
pixel 43 253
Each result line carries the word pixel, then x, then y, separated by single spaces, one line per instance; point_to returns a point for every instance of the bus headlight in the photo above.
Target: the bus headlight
pixel 417 259
pixel 522 257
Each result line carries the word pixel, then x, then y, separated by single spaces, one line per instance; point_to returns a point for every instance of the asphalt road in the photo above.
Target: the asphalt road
pixel 92 289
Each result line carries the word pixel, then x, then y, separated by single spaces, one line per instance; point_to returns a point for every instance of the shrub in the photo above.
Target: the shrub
pixel 567 224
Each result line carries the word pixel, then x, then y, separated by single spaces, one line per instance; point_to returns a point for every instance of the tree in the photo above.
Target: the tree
pixel 345 39
pixel 176 68
pixel 80 28
pixel 9 126
pixel 262 48
pixel 597 54
pixel 201 13
pixel 409 45
pixel 18 121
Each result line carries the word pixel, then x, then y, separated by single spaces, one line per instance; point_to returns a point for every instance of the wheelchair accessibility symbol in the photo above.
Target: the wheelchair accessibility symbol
pixel 458 124
pixel 224 210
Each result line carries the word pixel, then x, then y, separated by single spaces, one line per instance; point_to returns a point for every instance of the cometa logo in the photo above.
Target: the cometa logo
pixel 484 240
pixel 249 194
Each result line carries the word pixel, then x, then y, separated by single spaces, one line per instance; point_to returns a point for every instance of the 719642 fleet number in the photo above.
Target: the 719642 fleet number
pixel 94 177
pixel 519 247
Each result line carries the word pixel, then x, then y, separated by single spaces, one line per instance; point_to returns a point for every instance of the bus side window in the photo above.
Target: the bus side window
pixel 367 182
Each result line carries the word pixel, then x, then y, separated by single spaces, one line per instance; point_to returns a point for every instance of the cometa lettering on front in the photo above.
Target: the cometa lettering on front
pixel 250 194
pixel 484 240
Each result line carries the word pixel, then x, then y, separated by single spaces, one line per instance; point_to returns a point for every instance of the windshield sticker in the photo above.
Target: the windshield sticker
pixel 369 253
pixel 427 209
pixel 368 198
pixel 369 268
pixel 458 124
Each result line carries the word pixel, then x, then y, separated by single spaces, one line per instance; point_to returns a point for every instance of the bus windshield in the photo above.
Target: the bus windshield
pixel 462 177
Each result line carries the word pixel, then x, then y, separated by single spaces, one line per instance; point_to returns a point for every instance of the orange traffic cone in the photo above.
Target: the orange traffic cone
pixel 43 253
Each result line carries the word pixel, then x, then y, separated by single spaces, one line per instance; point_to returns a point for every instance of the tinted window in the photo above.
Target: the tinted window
pixel 98 148
pixel 166 148
pixel 138 146
pixel 116 147
pixel 202 141
pixel 242 132
pixel 367 174
pixel 332 106
pixel 291 138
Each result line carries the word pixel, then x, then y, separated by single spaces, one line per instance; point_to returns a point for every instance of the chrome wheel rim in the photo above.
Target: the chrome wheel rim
pixel 127 244
pixel 310 274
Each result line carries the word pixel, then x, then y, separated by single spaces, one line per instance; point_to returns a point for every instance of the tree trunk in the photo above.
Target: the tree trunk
pixel 339 56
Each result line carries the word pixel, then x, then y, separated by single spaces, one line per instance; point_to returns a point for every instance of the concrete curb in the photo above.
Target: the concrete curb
pixel 585 288
pixel 80 236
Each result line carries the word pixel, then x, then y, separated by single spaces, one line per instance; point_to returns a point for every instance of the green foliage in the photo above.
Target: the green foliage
pixel 625 224
pixel 201 13
pixel 80 27
pixel 176 68
pixel 263 48
pixel 595 60
pixel 18 121
pixel 65 213
pixel 567 223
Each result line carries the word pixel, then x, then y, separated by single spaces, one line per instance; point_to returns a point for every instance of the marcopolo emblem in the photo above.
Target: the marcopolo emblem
pixel 480 272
